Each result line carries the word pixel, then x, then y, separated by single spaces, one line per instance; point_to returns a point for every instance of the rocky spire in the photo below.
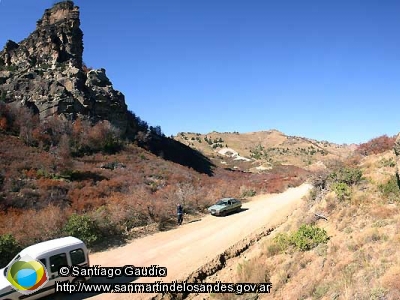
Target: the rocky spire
pixel 45 70
pixel 57 39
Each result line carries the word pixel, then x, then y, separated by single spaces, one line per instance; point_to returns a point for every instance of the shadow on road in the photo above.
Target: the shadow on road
pixel 233 213
pixel 192 221
pixel 241 210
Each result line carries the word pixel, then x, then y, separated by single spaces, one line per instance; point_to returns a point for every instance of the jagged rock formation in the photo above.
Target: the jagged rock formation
pixel 45 72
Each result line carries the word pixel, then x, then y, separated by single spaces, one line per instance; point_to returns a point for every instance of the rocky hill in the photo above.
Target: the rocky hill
pixel 258 151
pixel 45 72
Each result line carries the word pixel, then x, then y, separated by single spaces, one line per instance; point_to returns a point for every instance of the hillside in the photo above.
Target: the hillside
pixel 114 194
pixel 74 156
pixel 345 234
pixel 258 151
pixel 76 161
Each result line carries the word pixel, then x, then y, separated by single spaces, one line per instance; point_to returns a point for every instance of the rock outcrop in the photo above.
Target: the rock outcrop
pixel 45 72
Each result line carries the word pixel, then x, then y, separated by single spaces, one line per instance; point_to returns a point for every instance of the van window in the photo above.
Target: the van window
pixel 43 261
pixel 77 256
pixel 58 261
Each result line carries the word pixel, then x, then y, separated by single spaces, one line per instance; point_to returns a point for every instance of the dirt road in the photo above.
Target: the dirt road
pixel 184 249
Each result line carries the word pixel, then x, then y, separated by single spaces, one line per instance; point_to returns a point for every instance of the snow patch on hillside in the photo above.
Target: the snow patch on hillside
pixel 232 153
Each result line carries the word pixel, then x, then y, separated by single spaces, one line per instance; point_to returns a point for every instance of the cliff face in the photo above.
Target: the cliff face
pixel 45 72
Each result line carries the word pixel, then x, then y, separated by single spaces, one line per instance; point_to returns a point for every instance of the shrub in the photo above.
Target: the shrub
pixel 8 249
pixel 376 145
pixel 11 68
pixel 342 190
pixel 308 237
pixel 110 220
pixel 273 249
pixel 347 175
pixel 313 194
pixel 247 192
pixel 387 162
pixel 252 271
pixel 320 291
pixel 82 227
pixel 282 241
pixel 305 238
pixel 87 139
pixel 390 190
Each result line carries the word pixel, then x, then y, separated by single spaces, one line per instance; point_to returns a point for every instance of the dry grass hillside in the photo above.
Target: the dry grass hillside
pixel 88 181
pixel 258 151
pixel 352 254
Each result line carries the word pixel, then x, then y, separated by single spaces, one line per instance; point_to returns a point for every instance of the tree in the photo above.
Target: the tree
pixel 8 249
pixel 82 227
pixel 64 154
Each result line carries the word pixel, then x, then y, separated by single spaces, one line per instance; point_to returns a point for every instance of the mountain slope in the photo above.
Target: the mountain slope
pixel 261 150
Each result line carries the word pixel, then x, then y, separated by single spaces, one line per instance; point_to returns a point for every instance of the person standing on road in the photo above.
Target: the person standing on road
pixel 179 211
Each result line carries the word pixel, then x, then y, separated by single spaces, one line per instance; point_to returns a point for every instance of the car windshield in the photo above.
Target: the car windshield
pixel 221 202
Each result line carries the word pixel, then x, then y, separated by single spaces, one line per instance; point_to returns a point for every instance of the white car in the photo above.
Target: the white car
pixel 67 251
pixel 225 206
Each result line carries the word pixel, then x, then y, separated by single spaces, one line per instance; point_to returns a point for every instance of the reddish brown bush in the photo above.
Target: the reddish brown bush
pixel 142 188
pixel 32 225
pixel 3 124
pixel 376 145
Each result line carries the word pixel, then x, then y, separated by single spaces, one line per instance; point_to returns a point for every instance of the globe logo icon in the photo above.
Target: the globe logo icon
pixel 27 275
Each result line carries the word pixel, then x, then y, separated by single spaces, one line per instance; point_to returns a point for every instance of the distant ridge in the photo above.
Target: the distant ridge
pixel 261 150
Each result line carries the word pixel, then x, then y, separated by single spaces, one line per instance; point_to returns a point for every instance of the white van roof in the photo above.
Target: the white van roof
pixel 38 249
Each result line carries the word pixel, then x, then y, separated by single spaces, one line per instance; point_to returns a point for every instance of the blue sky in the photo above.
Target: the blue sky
pixel 328 70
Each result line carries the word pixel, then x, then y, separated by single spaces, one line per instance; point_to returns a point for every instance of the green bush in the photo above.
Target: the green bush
pixel 308 237
pixel 8 249
pixel 83 227
pixel 11 68
pixel 390 190
pixel 282 240
pixel 349 176
pixel 305 238
pixel 342 190
pixel 313 194
pixel 387 162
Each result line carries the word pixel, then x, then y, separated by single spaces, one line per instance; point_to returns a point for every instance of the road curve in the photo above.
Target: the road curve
pixel 188 247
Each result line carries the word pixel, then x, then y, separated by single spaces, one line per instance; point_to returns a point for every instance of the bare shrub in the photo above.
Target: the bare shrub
pixel 376 145
pixel 252 271
pixel 33 226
